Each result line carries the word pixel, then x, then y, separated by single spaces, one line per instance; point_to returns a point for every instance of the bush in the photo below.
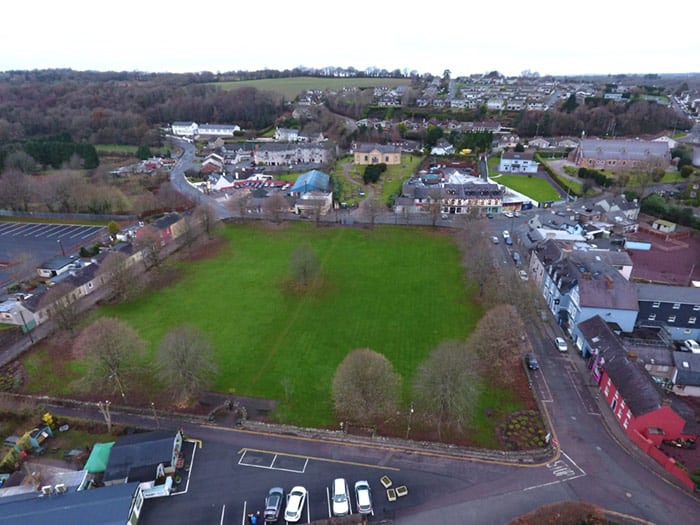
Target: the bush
pixel 599 178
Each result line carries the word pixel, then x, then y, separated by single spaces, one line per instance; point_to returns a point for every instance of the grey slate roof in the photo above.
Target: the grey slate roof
pixel 102 506
pixel 668 294
pixel 621 149
pixel 633 382
pixel 136 456
pixel 688 368
pixel 383 148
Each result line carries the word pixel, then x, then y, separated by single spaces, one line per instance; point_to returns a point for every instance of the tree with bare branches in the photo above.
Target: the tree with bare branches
pixel 113 353
pixel 371 208
pixel 204 216
pixel 23 266
pixel 304 266
pixel 434 207
pixel 446 386
pixel 61 304
pixel 185 361
pixel 276 205
pixel 365 387
pixel 148 240
pixel 120 275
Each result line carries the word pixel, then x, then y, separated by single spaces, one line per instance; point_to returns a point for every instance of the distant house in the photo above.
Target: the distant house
pixel 169 227
pixel 663 226
pixel 217 130
pixel 286 135
pixel 517 162
pixel 619 153
pixel 443 147
pixel 184 129
pixel 136 457
pixel 365 154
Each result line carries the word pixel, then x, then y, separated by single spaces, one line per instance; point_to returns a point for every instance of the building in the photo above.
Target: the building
pixel 619 154
pixel 685 380
pixel 310 181
pixel 365 154
pixel 137 457
pixel 55 266
pixel 517 162
pixel 676 308
pixel 646 414
pixel 578 284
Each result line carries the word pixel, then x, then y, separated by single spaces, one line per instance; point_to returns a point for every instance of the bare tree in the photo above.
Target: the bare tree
pixel 239 203
pixel 304 266
pixel 61 303
pixel 434 205
pixel 15 190
pixel 148 240
pixel 651 172
pixel 205 216
pixel 185 362
pixel 446 386
pixel 496 354
pixel 113 353
pixel 106 414
pixel 371 209
pixel 276 205
pixel 23 267
pixel 119 275
pixel 365 387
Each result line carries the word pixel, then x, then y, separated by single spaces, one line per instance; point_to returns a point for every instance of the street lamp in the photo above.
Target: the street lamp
pixel 63 252
pixel 410 415
pixel 155 416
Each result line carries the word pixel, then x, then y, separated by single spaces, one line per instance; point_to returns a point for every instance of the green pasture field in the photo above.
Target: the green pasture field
pixel 104 149
pixel 290 88
pixel 534 187
pixel 399 291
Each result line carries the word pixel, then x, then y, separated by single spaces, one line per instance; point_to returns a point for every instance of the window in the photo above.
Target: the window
pixel 607 390
pixel 626 423
pixel 671 318
pixel 652 317
pixel 696 308
pixel 656 304
pixel 676 306
pixel 691 320
pixel 622 405
pixel 614 405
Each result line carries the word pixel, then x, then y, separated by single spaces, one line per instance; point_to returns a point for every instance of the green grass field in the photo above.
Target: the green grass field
pixel 290 88
pixel 399 291
pixel 534 187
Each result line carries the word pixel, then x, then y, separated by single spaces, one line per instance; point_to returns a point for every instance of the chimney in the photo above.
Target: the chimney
pixel 608 282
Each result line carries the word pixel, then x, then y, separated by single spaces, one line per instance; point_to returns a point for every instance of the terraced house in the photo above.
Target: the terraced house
pixel 619 154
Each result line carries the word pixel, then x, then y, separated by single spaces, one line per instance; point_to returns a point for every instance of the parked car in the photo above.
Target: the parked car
pixel 509 241
pixel 531 361
pixel 516 257
pixel 506 234
pixel 295 504
pixel 516 213
pixel 691 345
pixel 340 497
pixel 494 239
pixel 523 275
pixel 561 345
pixel 508 214
pixel 363 497
pixel 273 504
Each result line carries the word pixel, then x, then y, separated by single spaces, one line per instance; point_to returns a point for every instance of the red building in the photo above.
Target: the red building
pixel 647 414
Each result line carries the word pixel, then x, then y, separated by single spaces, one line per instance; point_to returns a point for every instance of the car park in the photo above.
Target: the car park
pixel 363 497
pixel 273 504
pixel 531 361
pixel 691 345
pixel 340 497
pixel 295 504
pixel 561 345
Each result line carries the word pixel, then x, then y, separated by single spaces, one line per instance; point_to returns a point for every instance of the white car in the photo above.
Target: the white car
pixel 494 239
pixel 295 504
pixel 523 275
pixel 691 345
pixel 340 498
pixel 508 214
pixel 561 344
pixel 506 234
pixel 363 496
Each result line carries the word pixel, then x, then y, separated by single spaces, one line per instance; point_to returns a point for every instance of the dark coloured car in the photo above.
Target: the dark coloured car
pixel 531 361
pixel 273 504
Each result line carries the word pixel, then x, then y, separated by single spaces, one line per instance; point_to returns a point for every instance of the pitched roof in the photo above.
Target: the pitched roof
pixel 687 368
pixel 136 456
pixel 103 506
pixel 622 149
pixel 383 148
pixel 633 382
pixel 313 180
pixel 668 293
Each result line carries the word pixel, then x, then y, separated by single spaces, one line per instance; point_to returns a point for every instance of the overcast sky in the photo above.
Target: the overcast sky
pixel 544 36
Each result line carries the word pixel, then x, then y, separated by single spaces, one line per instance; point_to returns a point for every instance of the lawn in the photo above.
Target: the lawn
pixel 290 88
pixel 537 189
pixel 399 291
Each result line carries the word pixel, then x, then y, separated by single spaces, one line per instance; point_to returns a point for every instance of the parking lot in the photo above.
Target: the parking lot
pixel 42 242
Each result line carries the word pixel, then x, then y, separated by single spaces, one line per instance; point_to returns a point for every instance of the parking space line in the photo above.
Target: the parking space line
pixel 326 460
